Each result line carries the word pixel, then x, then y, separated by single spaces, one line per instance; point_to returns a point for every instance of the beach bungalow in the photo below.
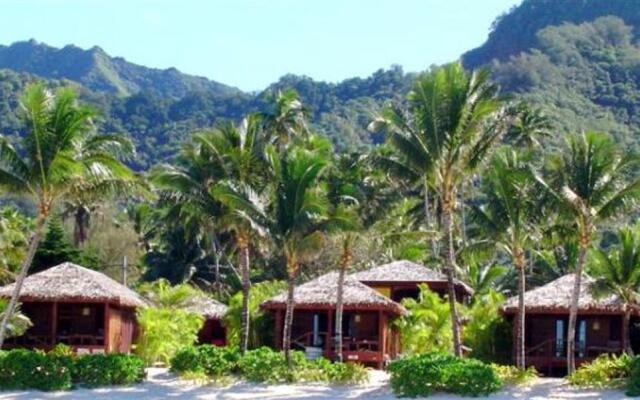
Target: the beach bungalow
pixel 76 306
pixel 213 331
pixel 598 330
pixel 368 335
pixel 400 279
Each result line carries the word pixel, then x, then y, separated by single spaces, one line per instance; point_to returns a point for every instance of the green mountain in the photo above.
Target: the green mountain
pixel 96 70
pixel 578 59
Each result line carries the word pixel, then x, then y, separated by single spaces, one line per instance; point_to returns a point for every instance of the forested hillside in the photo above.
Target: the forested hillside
pixel 158 109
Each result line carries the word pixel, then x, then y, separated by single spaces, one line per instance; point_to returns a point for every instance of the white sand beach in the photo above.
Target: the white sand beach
pixel 163 385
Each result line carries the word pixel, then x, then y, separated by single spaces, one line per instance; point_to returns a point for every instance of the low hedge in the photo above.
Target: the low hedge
pixel 60 369
pixel 262 365
pixel 424 374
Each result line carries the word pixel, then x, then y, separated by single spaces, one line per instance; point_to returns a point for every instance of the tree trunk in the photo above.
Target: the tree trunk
pixel 24 268
pixel 79 231
pixel 626 330
pixel 450 262
pixel 345 261
pixel 243 255
pixel 575 297
pixel 520 264
pixel 216 265
pixel 288 316
pixel 429 219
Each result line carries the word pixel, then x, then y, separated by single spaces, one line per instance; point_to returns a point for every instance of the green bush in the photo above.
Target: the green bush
pixel 163 331
pixel 512 375
pixel 27 369
pixel 606 371
pixel 265 365
pixel 106 370
pixel 421 375
pixel 633 379
pixel 213 361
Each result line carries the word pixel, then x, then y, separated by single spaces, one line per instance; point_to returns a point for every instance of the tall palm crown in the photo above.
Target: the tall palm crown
pixel 589 183
pixel 453 121
pixel 617 271
pixel 60 155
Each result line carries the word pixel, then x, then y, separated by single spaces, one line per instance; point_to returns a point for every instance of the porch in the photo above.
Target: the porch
pixel 84 326
pixel 367 337
pixel 545 340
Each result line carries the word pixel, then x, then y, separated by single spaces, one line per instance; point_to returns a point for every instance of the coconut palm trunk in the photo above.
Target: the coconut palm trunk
pixel 429 218
pixel 288 317
pixel 520 263
pixel 450 262
pixel 585 241
pixel 243 255
pixel 345 261
pixel 24 268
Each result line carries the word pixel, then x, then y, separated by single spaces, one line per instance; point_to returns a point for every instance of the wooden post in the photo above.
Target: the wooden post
pixel 380 335
pixel 623 343
pixel 329 338
pixel 54 322
pixel 278 330
pixel 383 338
pixel 106 327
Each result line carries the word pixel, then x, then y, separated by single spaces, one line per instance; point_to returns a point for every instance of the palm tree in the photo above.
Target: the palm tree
pixel 507 219
pixel 285 119
pixel 60 154
pixel 298 214
pixel 454 120
pixel 588 182
pixel 242 152
pixel 617 271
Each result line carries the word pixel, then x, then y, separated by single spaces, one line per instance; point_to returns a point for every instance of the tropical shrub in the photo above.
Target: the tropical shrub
pixel 259 332
pixel 606 371
pixel 265 365
pixel 213 361
pixel 512 375
pixel 163 331
pixel 427 326
pixel 27 369
pixel 106 370
pixel 487 333
pixel 323 370
pixel 423 374
pixel 633 379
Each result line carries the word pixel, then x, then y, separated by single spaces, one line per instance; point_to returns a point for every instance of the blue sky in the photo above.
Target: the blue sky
pixel 251 43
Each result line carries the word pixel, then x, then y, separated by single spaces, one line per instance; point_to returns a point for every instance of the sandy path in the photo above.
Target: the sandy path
pixel 162 385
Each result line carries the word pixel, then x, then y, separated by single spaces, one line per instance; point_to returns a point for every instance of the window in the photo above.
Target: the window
pixel 559 338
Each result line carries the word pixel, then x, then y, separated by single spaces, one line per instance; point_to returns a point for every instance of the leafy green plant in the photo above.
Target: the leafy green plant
pixel 105 370
pixel 487 334
pixel 213 361
pixel 266 365
pixel 606 371
pixel 427 327
pixel 259 332
pixel 27 369
pixel 512 375
pixel 165 330
pixel 423 374
pixel 633 378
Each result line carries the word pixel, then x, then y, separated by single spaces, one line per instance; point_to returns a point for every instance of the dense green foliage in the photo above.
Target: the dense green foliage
pixel 60 369
pixel 603 372
pixel 213 361
pixel 633 382
pixel 165 330
pixel 512 375
pixel 262 365
pixel 106 370
pixel 425 374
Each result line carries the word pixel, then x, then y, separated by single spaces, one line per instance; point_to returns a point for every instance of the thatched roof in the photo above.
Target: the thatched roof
pixel 405 271
pixel 71 282
pixel 207 307
pixel 322 292
pixel 555 296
